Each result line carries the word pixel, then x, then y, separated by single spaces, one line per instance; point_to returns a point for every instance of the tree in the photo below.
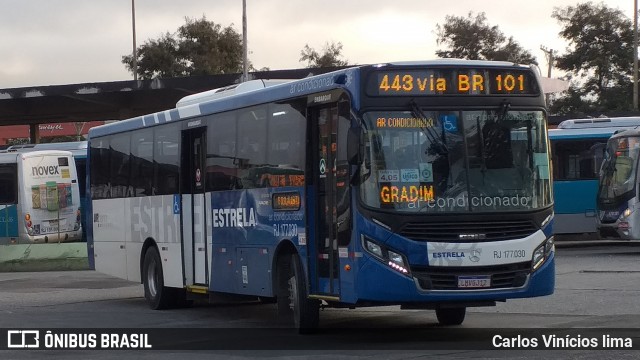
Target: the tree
pixel 472 38
pixel 199 47
pixel 598 58
pixel 329 58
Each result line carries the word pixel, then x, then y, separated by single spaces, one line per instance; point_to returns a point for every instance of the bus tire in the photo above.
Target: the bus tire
pixel 293 301
pixel 451 316
pixel 158 296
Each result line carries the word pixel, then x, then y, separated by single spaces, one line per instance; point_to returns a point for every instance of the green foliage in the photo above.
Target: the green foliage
pixel 599 58
pixel 329 58
pixel 472 38
pixel 199 47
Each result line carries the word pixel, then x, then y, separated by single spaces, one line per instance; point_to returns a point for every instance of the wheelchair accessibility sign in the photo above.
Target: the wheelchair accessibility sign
pixel 176 204
pixel 449 123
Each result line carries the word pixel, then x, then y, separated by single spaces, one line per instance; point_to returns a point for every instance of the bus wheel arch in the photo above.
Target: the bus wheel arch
pixel 158 296
pixel 294 305
pixel 152 277
pixel 148 243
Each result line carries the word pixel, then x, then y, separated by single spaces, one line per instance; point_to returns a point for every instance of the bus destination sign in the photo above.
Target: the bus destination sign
pixel 452 81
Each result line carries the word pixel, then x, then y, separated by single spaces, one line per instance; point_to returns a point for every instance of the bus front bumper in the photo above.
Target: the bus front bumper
pixel 390 287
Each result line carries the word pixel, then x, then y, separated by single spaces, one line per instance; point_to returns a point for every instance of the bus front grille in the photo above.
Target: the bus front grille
pixel 471 231
pixel 446 278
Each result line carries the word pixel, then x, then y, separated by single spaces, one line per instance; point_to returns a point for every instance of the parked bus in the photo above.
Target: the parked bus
pixel 577 148
pixel 618 214
pixel 40 199
pixel 424 184
pixel 79 151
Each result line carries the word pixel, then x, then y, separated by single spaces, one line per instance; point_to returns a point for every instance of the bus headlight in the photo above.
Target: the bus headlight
pixel 549 246
pixel 542 253
pixel 626 213
pixel 373 248
pixel 538 257
pixel 393 259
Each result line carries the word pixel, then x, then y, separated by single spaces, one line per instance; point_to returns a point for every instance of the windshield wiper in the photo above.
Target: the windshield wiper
pixel 441 147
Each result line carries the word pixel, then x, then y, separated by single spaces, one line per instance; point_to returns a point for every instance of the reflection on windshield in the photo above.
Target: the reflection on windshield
pixel 453 161
pixel 619 167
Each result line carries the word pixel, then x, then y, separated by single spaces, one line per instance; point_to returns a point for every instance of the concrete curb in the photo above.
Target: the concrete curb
pixel 43 257
pixel 594 243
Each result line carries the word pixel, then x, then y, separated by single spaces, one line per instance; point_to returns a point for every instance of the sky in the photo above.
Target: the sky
pixel 57 42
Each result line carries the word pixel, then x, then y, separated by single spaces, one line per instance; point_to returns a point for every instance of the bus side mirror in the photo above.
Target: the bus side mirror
pixel 355 146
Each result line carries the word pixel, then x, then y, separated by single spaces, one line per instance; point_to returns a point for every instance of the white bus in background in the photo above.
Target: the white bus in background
pixel 39 197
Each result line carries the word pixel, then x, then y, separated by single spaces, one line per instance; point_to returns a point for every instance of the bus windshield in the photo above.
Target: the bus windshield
pixel 619 168
pixel 456 161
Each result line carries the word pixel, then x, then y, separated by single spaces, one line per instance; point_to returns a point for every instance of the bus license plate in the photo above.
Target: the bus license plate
pixel 471 282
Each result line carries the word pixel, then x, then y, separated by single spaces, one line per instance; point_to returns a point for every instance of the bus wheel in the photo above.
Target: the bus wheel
pixel 294 303
pixel 451 316
pixel 157 295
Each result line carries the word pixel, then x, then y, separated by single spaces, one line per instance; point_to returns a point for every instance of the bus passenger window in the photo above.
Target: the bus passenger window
pixel 166 159
pixel 8 184
pixel 221 163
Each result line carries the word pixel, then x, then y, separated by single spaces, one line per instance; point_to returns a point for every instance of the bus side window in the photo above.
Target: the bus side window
pixel 8 184
pixel 252 144
pixel 221 164
pixel 100 182
pixel 120 155
pixel 142 162
pixel 166 159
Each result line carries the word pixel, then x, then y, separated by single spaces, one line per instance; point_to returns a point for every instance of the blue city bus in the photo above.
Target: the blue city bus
pixel 79 151
pixel 420 184
pixel 577 148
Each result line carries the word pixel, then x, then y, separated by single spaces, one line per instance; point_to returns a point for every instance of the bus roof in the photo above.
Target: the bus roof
pixel 77 148
pixel 629 132
pixel 7 157
pixel 589 133
pixel 628 121
pixel 345 78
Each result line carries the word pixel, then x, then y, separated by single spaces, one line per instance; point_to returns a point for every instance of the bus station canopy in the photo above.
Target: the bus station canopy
pixel 116 100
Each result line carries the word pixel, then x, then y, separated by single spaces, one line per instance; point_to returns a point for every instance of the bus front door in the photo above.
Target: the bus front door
pixel 194 212
pixel 324 260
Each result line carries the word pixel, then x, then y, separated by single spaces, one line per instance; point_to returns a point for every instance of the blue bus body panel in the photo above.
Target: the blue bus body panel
pixel 575 197
pixel 8 221
pixel 245 234
pixel 88 214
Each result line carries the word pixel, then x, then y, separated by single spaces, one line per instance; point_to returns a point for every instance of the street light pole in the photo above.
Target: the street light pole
pixel 135 52
pixel 245 75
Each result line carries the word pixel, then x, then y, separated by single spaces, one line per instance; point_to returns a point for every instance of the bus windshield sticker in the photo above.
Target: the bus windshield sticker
pixel 450 123
pixel 388 175
pixel 409 175
pixel 426 172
